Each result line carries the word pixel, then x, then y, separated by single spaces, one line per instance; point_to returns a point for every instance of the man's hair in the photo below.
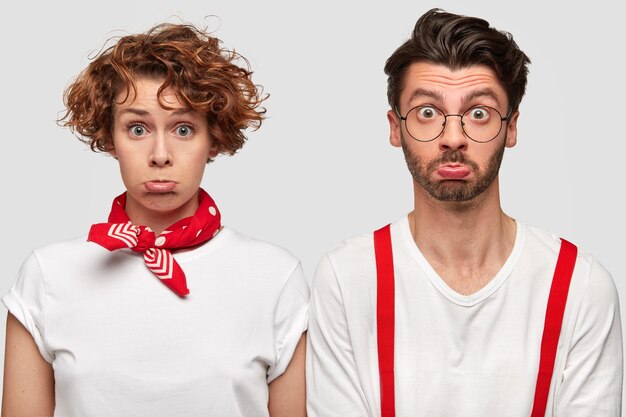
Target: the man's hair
pixel 204 76
pixel 458 42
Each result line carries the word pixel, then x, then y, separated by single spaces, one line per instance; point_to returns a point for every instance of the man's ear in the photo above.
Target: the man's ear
pixel 395 134
pixel 511 130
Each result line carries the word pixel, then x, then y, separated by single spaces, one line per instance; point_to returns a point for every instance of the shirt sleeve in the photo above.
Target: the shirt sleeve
pixel 290 321
pixel 333 387
pixel 26 300
pixel 592 378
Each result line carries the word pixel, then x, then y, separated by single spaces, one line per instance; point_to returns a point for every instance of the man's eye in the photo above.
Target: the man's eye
pixel 426 112
pixel 137 130
pixel 478 114
pixel 184 130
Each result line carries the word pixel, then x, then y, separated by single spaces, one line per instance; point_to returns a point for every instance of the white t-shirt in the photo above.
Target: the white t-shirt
pixel 457 355
pixel 122 344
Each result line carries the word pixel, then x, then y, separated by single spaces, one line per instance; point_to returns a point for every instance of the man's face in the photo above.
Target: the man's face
pixel 452 167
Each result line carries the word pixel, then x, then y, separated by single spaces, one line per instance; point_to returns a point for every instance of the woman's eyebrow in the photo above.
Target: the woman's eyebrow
pixel 133 110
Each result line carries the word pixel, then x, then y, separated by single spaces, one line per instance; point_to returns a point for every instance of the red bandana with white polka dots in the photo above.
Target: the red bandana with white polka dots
pixel 120 233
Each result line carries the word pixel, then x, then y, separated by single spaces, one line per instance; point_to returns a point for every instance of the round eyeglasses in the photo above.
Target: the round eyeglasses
pixel 480 123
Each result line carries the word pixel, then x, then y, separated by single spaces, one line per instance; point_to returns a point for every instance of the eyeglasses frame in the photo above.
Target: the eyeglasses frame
pixel 445 121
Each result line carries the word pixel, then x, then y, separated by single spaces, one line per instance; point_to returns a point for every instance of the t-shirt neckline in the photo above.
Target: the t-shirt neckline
pixel 202 249
pixel 460 299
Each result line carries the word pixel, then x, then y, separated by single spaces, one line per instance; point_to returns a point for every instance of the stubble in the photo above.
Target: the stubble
pixel 453 190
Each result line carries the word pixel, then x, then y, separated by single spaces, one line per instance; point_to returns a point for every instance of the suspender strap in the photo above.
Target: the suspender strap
pixel 552 327
pixel 385 321
pixel 385 316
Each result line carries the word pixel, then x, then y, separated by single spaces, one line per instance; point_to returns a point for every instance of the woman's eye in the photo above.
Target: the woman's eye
pixel 137 130
pixel 184 130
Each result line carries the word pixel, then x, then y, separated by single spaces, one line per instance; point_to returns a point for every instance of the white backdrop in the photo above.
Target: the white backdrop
pixel 320 169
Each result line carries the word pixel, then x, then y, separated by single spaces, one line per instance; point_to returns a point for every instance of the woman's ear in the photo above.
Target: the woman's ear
pixel 213 152
pixel 112 152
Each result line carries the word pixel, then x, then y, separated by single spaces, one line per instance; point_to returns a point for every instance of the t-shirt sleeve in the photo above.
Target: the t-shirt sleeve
pixel 290 321
pixel 333 384
pixel 592 378
pixel 26 300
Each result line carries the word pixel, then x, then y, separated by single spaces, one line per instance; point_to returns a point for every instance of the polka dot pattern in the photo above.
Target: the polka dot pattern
pixel 120 233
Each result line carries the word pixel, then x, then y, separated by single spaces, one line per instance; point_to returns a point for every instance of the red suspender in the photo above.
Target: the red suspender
pixel 385 321
pixel 385 316
pixel 552 327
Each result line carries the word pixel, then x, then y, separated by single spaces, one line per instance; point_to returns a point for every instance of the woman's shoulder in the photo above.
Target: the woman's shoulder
pixel 262 247
pixel 63 257
pixel 231 245
pixel 78 246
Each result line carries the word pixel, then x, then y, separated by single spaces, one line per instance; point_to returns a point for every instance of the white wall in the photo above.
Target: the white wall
pixel 320 169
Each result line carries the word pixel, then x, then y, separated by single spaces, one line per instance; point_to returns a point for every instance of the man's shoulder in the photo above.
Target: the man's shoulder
pixel 347 271
pixel 593 275
pixel 352 247
pixel 360 246
pixel 353 260
pixel 541 240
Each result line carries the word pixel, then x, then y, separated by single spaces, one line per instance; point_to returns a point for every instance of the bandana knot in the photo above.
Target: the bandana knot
pixel 145 239
pixel 120 233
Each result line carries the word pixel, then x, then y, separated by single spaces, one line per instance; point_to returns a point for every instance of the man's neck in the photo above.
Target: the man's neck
pixel 465 242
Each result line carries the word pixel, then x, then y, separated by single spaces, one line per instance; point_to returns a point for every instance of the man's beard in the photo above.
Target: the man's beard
pixel 453 190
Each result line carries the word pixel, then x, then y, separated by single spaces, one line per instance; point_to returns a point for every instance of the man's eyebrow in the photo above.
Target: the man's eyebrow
pixel 484 92
pixel 419 92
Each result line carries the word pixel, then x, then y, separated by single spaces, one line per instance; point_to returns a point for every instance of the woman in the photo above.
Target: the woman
pixel 90 330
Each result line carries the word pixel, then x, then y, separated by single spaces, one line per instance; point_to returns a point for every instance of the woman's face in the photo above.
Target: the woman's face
pixel 162 153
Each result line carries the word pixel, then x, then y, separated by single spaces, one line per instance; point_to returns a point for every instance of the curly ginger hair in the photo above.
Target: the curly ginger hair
pixel 203 75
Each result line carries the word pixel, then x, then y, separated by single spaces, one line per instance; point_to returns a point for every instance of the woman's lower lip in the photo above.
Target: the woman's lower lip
pixel 160 186
pixel 453 173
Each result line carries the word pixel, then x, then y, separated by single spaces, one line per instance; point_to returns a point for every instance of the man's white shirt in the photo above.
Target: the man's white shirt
pixel 459 355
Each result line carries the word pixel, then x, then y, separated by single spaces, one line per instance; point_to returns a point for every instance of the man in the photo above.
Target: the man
pixel 458 309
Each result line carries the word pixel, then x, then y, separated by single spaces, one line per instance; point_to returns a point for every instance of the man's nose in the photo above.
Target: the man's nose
pixel 453 137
